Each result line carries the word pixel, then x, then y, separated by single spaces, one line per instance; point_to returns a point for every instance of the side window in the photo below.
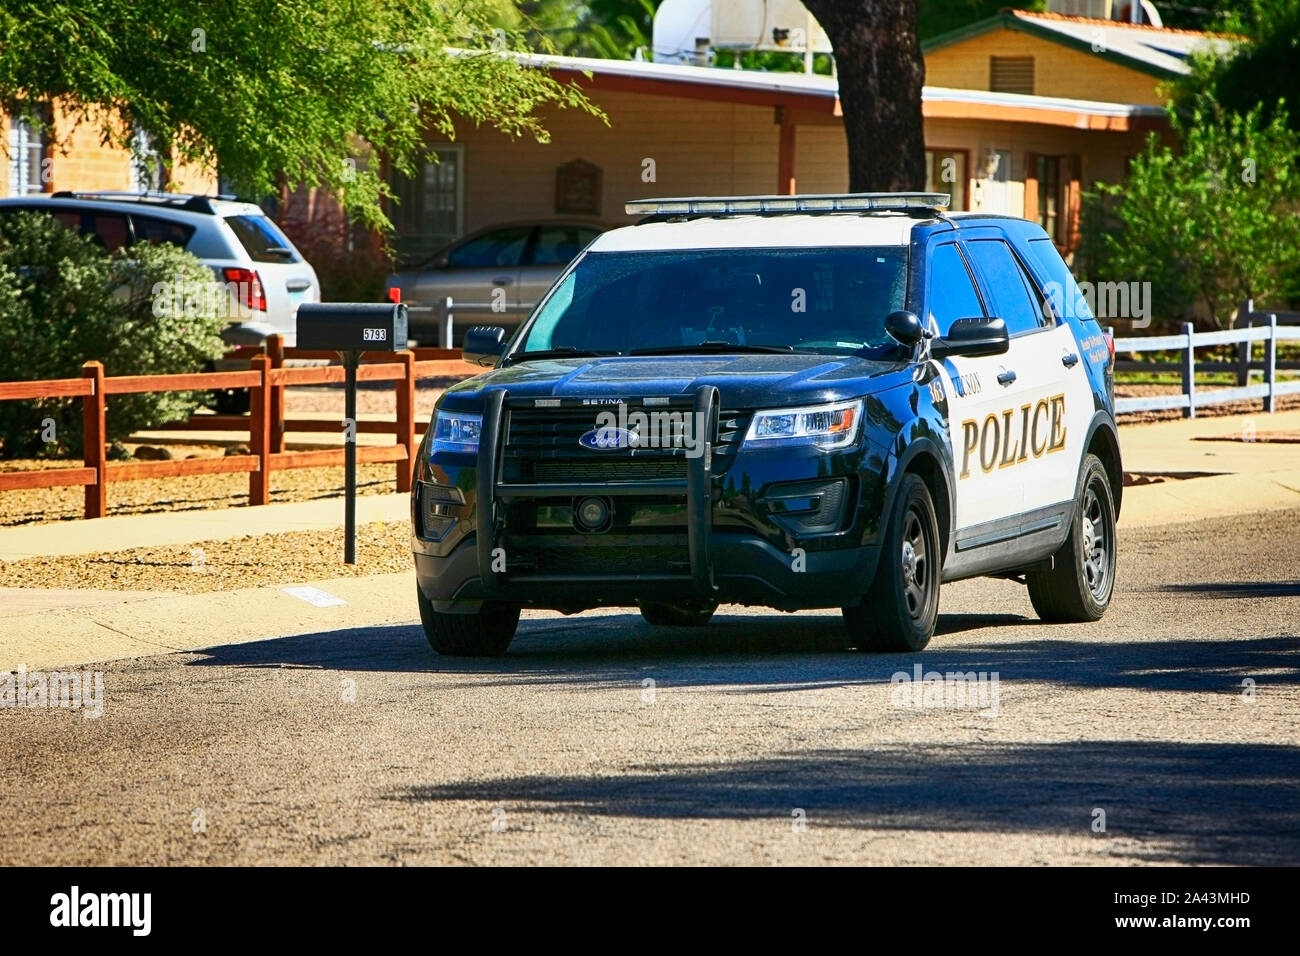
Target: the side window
pixel 500 247
pixel 950 294
pixel 1061 287
pixel 558 244
pixel 155 231
pixel 1015 298
pixel 106 229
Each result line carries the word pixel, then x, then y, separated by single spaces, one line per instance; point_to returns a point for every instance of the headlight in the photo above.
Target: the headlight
pixel 826 426
pixel 456 432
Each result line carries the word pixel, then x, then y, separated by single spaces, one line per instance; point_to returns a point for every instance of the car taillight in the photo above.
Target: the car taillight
pixel 1110 346
pixel 249 284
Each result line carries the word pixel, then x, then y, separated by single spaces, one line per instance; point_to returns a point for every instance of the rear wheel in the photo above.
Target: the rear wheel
pixel 901 607
pixel 1079 585
pixel 485 633
pixel 677 615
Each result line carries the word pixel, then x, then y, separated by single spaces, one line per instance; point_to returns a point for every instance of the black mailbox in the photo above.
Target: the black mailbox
pixel 352 326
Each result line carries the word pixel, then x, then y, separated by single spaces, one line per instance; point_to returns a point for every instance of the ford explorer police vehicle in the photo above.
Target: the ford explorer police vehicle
pixel 792 402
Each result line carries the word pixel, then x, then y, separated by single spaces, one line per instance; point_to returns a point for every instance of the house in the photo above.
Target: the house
pixel 65 152
pixel 1022 112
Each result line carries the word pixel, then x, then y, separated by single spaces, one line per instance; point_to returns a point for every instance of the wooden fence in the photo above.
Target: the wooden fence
pixel 265 424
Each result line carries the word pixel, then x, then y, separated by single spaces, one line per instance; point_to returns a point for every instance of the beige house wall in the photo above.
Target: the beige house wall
pixel 1058 70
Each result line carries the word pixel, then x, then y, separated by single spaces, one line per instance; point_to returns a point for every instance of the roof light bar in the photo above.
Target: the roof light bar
pixel 770 205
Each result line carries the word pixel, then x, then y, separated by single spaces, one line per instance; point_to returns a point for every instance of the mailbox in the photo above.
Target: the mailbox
pixel 352 326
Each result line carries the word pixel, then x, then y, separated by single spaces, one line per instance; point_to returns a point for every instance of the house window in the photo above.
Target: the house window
pixel 945 172
pixel 146 164
pixel 26 153
pixel 1011 74
pixel 1050 197
pixel 429 211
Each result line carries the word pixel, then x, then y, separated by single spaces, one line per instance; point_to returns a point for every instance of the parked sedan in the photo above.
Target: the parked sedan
pixel 494 276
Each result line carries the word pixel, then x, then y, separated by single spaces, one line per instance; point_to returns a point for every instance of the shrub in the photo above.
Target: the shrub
pixel 65 301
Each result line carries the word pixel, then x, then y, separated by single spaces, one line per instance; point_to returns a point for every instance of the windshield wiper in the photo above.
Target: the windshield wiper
pixel 563 351
pixel 709 347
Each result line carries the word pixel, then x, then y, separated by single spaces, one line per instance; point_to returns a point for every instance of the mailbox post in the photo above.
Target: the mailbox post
pixel 351 328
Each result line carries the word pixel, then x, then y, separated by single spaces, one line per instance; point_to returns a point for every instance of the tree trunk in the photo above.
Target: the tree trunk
pixel 878 58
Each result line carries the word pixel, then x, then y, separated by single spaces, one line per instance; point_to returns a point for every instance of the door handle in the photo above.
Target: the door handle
pixel 1007 377
pixel 1069 360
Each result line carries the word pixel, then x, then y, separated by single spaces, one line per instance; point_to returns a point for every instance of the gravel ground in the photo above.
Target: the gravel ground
pixel 759 739
pixel 250 561
pixel 189 493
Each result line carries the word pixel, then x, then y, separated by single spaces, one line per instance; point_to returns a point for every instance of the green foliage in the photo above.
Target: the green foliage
pixel 283 93
pixel 1213 222
pixel 936 17
pixel 65 301
pixel 1259 72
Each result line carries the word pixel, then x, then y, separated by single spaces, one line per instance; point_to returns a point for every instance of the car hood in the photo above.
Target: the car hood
pixel 743 381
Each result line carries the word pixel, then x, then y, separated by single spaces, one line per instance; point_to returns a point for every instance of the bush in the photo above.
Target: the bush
pixel 1208 224
pixel 65 301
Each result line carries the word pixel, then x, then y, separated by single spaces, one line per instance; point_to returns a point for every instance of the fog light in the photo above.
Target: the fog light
pixel 592 514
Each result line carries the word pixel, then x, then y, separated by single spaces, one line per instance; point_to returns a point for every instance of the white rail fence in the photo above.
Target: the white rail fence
pixel 1266 327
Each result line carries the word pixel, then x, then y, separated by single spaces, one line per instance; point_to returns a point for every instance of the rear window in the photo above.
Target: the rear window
pixel 262 239
pixel 156 231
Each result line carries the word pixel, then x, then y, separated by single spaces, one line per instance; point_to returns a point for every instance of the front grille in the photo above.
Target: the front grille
pixel 541 445
pixel 622 469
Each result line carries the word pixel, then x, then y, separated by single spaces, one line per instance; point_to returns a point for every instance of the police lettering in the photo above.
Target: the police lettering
pixel 999 443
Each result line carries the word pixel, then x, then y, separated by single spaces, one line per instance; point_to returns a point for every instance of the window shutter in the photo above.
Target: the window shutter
pixel 1011 74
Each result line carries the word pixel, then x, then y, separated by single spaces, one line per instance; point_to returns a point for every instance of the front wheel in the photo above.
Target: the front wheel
pixel 485 633
pixel 1082 577
pixel 901 607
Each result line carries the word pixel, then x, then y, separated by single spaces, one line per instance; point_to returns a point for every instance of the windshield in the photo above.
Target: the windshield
pixel 831 299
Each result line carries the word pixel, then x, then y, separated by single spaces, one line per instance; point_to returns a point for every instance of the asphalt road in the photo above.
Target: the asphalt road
pixel 762 739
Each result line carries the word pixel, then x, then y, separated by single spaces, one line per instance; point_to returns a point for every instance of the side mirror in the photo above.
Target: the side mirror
pixel 484 344
pixel 973 337
pixel 905 327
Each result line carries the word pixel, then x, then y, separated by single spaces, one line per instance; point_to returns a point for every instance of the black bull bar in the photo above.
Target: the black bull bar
pixel 697 486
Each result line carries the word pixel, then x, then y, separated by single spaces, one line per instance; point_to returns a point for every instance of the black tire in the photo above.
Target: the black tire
pixel 677 615
pixel 1079 586
pixel 901 607
pixel 485 633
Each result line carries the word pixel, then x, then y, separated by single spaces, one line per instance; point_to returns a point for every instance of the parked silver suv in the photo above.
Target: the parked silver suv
pixel 246 251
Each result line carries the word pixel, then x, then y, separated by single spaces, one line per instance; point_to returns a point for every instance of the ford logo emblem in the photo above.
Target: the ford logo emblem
pixel 609 439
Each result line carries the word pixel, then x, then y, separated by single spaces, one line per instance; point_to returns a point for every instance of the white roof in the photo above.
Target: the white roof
pixel 815 85
pixel 739 232
pixel 1161 48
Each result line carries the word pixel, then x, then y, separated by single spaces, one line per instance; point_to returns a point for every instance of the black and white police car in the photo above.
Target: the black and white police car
pixel 787 401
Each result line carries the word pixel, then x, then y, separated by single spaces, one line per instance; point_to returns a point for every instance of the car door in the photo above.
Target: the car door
pixel 481 275
pixel 1037 407
pixel 977 399
pixel 554 246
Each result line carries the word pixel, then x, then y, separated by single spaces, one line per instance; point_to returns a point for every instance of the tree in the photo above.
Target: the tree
pixel 878 58
pixel 1210 223
pixel 1258 72
pixel 296 93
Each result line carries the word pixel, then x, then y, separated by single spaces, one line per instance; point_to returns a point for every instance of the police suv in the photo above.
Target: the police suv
pixel 785 401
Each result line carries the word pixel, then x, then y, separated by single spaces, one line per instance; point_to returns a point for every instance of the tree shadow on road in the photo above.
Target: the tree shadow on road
pixel 1188 803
